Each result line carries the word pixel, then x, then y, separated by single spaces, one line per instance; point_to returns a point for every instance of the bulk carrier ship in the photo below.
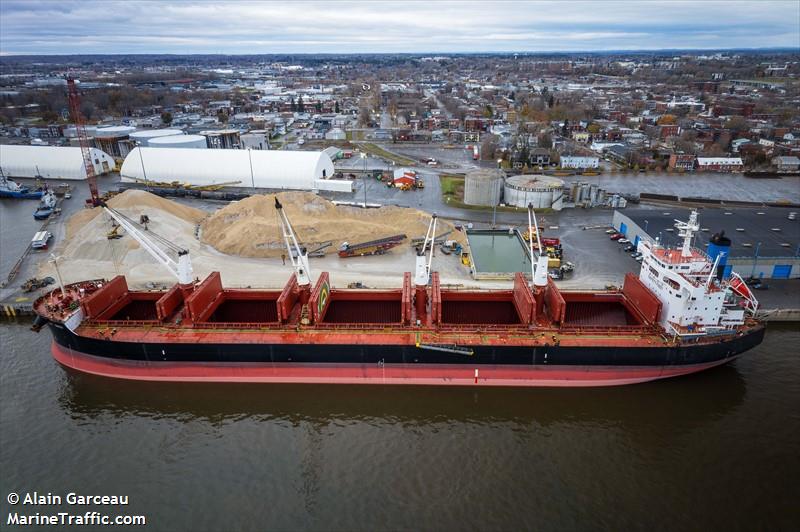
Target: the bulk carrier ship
pixel 678 316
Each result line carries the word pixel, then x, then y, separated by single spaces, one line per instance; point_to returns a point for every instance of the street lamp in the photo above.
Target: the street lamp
pixel 755 260
pixel 495 199
pixel 252 176
pixel 364 156
pixel 141 159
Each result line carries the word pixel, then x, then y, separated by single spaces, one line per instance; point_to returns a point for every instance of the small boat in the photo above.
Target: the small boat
pixel 11 189
pixel 46 206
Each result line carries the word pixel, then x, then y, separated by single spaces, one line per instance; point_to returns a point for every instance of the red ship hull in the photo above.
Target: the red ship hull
pixel 344 373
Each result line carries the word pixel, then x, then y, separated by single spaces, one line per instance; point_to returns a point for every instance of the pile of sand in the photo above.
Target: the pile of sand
pixel 86 230
pixel 251 228
pixel 134 202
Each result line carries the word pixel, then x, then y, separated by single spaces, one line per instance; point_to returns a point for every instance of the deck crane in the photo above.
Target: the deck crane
pixel 158 247
pixel 423 266
pixel 297 254
pixel 83 140
pixel 422 275
pixel 539 267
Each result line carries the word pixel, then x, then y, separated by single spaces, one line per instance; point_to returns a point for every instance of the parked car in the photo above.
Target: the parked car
pixel 639 258
pixel 636 255
pixel 611 231
pixel 555 274
pixel 629 247
pixel 616 236
pixel 624 241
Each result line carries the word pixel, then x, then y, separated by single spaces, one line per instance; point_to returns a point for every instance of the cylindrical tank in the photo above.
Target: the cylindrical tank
pixel 719 245
pixel 144 136
pixel 114 132
pixel 483 186
pixel 584 192
pixel 593 195
pixel 544 192
pixel 179 141
pixel 575 192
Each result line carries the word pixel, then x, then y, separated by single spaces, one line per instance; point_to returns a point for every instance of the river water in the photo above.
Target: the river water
pixel 718 450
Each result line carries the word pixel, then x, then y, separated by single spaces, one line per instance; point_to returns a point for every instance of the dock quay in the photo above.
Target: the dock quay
pixel 12 274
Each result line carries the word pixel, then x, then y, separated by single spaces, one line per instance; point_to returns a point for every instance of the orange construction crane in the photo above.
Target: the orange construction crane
pixel 83 140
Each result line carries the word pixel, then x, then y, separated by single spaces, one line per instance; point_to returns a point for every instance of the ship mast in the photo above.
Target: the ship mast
pixel 297 254
pixel 687 231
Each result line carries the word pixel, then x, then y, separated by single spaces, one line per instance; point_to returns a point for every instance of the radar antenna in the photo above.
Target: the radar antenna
pixel 686 230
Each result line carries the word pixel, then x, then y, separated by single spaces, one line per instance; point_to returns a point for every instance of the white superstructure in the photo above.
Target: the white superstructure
pixel 694 301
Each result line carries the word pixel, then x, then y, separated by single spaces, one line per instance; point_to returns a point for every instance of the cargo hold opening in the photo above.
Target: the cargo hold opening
pixel 246 307
pixel 364 307
pixel 598 310
pixel 134 306
pixel 476 308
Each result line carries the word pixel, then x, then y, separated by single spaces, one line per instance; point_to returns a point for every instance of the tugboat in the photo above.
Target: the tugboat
pixel 46 206
pixel 680 315
pixel 12 189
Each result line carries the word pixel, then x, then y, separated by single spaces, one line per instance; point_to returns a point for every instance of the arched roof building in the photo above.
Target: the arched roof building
pixel 280 169
pixel 50 162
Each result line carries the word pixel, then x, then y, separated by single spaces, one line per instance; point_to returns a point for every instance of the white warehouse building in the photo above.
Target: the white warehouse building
pixel 281 170
pixel 51 162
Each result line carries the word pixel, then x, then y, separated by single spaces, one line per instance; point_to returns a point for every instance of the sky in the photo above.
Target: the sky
pixel 410 26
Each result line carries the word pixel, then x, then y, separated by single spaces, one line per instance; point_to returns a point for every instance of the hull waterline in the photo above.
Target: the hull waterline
pixel 354 373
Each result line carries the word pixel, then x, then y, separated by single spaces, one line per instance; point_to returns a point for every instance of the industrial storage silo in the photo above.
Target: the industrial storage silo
pixel 179 141
pixel 114 140
pixel 483 186
pixel 544 192
pixel 143 137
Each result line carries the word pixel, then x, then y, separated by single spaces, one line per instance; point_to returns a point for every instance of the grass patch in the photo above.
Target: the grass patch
pixel 452 186
pixel 377 151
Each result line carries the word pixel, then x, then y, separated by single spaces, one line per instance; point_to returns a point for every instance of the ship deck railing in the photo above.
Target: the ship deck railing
pixel 600 329
pixel 384 327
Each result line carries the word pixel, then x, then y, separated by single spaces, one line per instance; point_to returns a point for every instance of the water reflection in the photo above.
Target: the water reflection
pixel 682 403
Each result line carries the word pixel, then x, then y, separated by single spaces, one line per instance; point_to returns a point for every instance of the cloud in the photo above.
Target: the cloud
pixel 256 27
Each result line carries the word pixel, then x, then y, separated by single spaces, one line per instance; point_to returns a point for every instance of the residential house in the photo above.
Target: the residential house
pixel 786 163
pixel 682 161
pixel 539 156
pixel 719 164
pixel 579 162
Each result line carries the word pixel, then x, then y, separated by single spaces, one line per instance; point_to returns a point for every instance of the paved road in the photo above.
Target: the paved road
pixel 735 187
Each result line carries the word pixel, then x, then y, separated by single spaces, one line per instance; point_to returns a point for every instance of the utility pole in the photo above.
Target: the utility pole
pixel 496 199
pixel 252 177
pixel 364 156
pixel 755 261
pixel 141 159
